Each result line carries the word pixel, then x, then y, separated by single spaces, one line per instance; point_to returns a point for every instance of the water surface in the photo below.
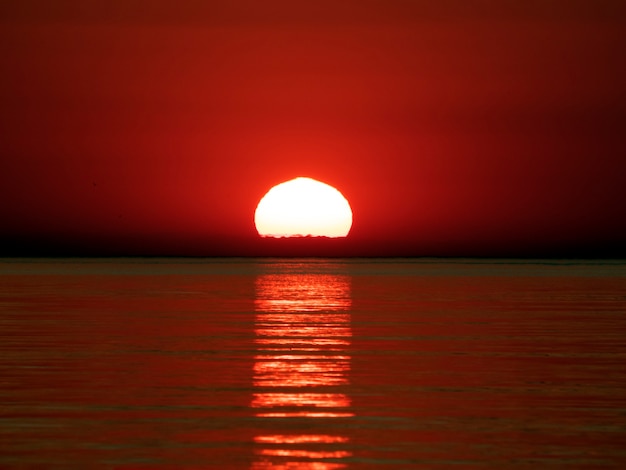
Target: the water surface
pixel 312 364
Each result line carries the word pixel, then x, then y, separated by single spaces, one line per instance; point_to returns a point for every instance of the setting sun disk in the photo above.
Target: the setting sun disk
pixel 303 207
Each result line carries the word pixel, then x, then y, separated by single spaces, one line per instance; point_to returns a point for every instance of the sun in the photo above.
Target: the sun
pixel 303 207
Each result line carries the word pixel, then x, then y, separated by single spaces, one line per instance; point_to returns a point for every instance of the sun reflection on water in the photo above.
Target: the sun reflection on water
pixel 301 368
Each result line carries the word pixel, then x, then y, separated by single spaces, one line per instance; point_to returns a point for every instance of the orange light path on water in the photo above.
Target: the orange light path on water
pixel 301 439
pixel 302 334
pixel 308 454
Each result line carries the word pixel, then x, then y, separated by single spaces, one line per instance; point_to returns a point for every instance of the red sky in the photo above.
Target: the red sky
pixel 454 128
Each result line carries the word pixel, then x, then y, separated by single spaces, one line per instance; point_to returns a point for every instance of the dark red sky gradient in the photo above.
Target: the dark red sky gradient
pixel 454 128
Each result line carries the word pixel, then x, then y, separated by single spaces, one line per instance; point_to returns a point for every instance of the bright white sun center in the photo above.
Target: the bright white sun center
pixel 303 207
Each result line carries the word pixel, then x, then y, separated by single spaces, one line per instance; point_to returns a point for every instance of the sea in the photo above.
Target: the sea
pixel 312 364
